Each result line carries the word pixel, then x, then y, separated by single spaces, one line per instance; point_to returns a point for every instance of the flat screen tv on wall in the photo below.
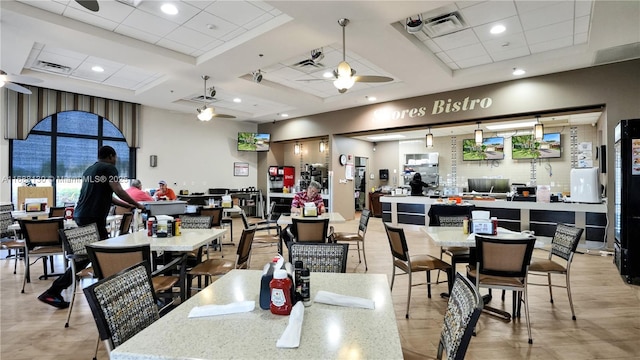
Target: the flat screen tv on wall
pixel 248 141
pixel 525 147
pixel 491 149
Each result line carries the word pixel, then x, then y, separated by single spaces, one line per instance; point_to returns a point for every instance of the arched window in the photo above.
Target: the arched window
pixel 59 149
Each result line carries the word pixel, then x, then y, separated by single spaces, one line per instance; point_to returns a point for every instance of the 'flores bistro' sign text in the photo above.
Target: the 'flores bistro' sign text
pixel 439 107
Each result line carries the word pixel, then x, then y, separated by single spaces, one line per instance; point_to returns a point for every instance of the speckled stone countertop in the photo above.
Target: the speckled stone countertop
pixel 328 332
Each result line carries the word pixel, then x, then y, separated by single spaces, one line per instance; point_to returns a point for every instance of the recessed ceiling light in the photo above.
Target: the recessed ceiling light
pixel 371 98
pixel 237 100
pixel 518 72
pixel 385 137
pixel 327 74
pixel 169 9
pixel 497 29
pixel 97 68
pixel 284 115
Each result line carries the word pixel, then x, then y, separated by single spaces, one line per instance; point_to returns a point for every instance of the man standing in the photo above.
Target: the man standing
pixel 99 182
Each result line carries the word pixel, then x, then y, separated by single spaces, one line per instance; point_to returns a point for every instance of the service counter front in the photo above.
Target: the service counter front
pixel 513 215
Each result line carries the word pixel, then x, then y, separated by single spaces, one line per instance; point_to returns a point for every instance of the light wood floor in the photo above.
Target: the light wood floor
pixel 608 312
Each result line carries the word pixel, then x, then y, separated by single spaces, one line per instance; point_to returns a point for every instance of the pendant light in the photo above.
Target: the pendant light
pixel 478 136
pixel 322 146
pixel 538 130
pixel 296 149
pixel 429 139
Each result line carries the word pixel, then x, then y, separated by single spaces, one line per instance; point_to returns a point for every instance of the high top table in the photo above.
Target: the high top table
pixel 328 332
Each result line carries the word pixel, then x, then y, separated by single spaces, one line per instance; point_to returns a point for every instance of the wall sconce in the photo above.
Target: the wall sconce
pixel 538 130
pixel 429 139
pixel 374 146
pixel 322 146
pixel 153 160
pixel 297 149
pixel 478 135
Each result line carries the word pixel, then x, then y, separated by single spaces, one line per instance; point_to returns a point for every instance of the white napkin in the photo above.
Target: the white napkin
pixel 290 338
pixel 232 308
pixel 330 298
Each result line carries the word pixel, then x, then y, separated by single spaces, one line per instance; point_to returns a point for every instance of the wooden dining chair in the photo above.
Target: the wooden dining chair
pixel 217 267
pixel 123 304
pixel 215 213
pixel 413 263
pixel 57 211
pixel 267 231
pixel 125 224
pixel 320 257
pixel 563 247
pixel 504 264
pixel 357 237
pixel 42 241
pixel 74 242
pixel 194 222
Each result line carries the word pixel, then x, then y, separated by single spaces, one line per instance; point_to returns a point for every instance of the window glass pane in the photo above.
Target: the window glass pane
pixel 110 130
pixel 67 190
pixel 32 157
pixel 122 157
pixel 44 125
pixel 74 155
pixel 78 122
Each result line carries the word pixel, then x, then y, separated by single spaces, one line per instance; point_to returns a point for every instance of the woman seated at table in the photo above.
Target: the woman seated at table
pixel 312 194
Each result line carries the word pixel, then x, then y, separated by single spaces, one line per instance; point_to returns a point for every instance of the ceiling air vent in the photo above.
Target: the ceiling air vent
pixel 52 67
pixel 444 24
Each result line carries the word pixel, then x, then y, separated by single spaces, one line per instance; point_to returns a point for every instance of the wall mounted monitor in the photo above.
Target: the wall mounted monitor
pixel 525 147
pixel 491 149
pixel 248 141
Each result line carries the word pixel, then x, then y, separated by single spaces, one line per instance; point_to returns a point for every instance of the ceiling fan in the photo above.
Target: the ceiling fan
pixel 314 60
pixel 9 81
pixel 206 113
pixel 91 5
pixel 344 75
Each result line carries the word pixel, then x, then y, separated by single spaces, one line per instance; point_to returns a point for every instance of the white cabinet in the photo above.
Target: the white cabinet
pixel 425 164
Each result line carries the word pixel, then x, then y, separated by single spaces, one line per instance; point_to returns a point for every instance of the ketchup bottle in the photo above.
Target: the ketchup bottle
pixel 280 286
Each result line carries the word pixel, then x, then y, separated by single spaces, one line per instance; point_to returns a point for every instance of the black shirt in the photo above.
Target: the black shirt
pixel 95 194
pixel 416 186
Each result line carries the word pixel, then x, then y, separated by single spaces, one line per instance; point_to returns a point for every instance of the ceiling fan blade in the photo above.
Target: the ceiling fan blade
pixel 224 116
pixel 17 88
pixel 22 79
pixel 372 78
pixel 91 5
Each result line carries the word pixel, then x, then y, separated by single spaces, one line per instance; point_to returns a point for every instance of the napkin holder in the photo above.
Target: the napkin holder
pixel 267 276
pixel 481 222
pixel 226 201
pixel 309 210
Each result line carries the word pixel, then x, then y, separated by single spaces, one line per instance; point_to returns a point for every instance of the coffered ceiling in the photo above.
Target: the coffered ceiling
pixel 156 59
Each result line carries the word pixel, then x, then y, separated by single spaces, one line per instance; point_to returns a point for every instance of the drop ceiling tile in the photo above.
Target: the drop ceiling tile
pixel 220 27
pixel 236 12
pixel 480 60
pixel 432 46
pixel 488 11
pixel 175 46
pixel 421 36
pixel 149 23
pixel 110 67
pixel 582 25
pixel 137 34
pixel 110 10
pixel 51 6
pixel 466 4
pixel 214 44
pixel 551 32
pixel 233 34
pixel 258 21
pixel 444 57
pixel 581 38
pixel 524 6
pixel 64 52
pixel 509 53
pixel 557 13
pixel 90 18
pixel 505 43
pixel 121 82
pixel 185 11
pixel 59 59
pixel 512 25
pixel 188 37
pixel 467 52
pixel 583 8
pixel 456 40
pixel 551 45
pixel 136 74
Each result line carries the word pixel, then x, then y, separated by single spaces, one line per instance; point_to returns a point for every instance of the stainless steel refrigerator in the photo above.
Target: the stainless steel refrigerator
pixel 627 200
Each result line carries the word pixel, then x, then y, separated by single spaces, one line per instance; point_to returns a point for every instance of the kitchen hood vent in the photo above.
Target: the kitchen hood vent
pixel 444 24
pixel 52 67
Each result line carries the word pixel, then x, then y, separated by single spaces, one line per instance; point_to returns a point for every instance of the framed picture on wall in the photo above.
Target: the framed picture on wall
pixel 240 169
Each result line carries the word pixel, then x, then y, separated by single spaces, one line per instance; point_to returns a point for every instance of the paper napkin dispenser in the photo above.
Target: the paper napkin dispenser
pixel 309 210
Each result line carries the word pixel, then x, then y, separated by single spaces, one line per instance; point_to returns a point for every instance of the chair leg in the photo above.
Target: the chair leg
pixel 95 354
pixel 526 309
pixel 359 258
pixel 568 284
pixel 409 295
pixel 428 284
pixel 364 255
pixel 393 277
pixel 550 287
pixel 74 286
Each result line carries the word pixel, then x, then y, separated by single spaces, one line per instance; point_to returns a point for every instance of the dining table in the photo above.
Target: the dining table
pixel 334 218
pixel 188 240
pixel 327 331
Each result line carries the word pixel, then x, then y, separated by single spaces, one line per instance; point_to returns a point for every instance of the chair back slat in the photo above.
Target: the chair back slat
pixel 125 223
pixel 123 304
pixel 42 232
pixel 321 257
pixel 565 241
pixel 215 213
pixel 397 242
pixel 57 211
pixel 108 261
pixel 504 257
pixel 75 240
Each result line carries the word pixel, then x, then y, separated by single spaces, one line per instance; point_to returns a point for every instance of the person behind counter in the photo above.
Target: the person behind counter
pixel 136 192
pixel 417 184
pixel 163 192
pixel 312 194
